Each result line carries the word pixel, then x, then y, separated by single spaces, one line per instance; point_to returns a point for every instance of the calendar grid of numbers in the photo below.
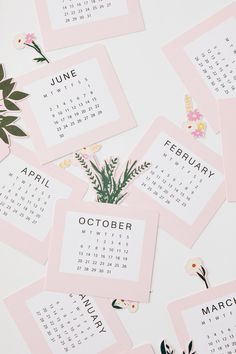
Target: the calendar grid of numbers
pixel 214 56
pixel 209 319
pixel 185 182
pixel 75 101
pixel 81 100
pixel 74 12
pixel 71 22
pixel 70 323
pixel 178 179
pixel 106 245
pixel 58 323
pixel 28 196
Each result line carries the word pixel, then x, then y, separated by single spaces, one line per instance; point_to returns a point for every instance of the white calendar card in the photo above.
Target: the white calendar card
pixel 208 319
pixel 73 103
pixel 185 182
pixel 28 196
pixel 71 22
pixel 205 59
pixel 57 323
pixel 102 250
pixel 144 349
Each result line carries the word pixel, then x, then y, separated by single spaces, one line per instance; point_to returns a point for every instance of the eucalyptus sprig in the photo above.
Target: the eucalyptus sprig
pixel 108 188
pixel 8 98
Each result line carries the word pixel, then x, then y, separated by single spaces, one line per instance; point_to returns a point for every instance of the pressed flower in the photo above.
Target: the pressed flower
pixel 65 163
pixel 29 38
pixel 19 41
pixel 195 266
pixel 201 126
pixel 90 150
pixel 194 115
pixel 198 133
pixel 131 306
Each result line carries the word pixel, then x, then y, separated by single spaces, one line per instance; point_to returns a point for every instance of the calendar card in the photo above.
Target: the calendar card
pixel 205 59
pixel 208 319
pixel 144 349
pixel 185 182
pixel 56 323
pixel 28 195
pixel 73 103
pixel 102 250
pixel 228 128
pixel 69 22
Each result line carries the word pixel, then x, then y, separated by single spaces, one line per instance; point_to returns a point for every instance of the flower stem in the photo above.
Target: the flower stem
pixel 35 47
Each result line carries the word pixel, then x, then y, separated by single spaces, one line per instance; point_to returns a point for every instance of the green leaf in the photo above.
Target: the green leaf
pixel 115 306
pixel 3 136
pixel 10 105
pixel 8 89
pixel 14 130
pixel 41 59
pixel 190 347
pixel 36 47
pixel 6 120
pixel 163 347
pixel 17 95
pixel 1 72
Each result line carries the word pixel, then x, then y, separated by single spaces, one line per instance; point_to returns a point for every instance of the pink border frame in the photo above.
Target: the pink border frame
pixel 25 243
pixel 144 349
pixel 72 35
pixel 124 122
pixel 207 102
pixel 227 110
pixel 176 308
pixel 29 329
pixel 99 286
pixel 187 234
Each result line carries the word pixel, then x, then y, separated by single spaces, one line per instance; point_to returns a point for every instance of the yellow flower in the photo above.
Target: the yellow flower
pixel 201 126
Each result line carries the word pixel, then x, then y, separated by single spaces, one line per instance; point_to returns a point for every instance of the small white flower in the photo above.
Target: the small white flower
pixel 189 126
pixel 19 41
pixel 193 266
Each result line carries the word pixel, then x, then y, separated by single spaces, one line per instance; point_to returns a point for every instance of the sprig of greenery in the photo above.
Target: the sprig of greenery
pixel 103 179
pixel 9 97
pixel 190 349
pixel 166 349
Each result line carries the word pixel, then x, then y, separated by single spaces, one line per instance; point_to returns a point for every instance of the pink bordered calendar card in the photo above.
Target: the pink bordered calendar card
pixel 28 196
pixel 205 60
pixel 185 183
pixel 69 22
pixel 73 103
pixel 144 349
pixel 102 250
pixel 56 323
pixel 208 319
pixel 227 108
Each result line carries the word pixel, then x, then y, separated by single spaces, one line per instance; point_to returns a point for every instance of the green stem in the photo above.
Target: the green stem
pixel 37 50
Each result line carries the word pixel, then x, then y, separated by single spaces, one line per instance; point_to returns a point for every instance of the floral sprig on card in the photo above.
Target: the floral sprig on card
pixel 195 123
pixel 8 104
pixel 108 188
pixel 166 349
pixel 23 40
pixel 122 304
pixel 88 152
pixel 195 267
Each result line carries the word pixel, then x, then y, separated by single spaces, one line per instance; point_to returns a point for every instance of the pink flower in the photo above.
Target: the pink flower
pixel 198 133
pixel 194 115
pixel 29 38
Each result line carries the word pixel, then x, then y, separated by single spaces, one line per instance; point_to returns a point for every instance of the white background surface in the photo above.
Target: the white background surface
pixel 152 89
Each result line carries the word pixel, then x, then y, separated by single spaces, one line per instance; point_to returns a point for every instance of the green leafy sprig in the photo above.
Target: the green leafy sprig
pixel 166 349
pixel 8 100
pixel 103 179
pixel 35 46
